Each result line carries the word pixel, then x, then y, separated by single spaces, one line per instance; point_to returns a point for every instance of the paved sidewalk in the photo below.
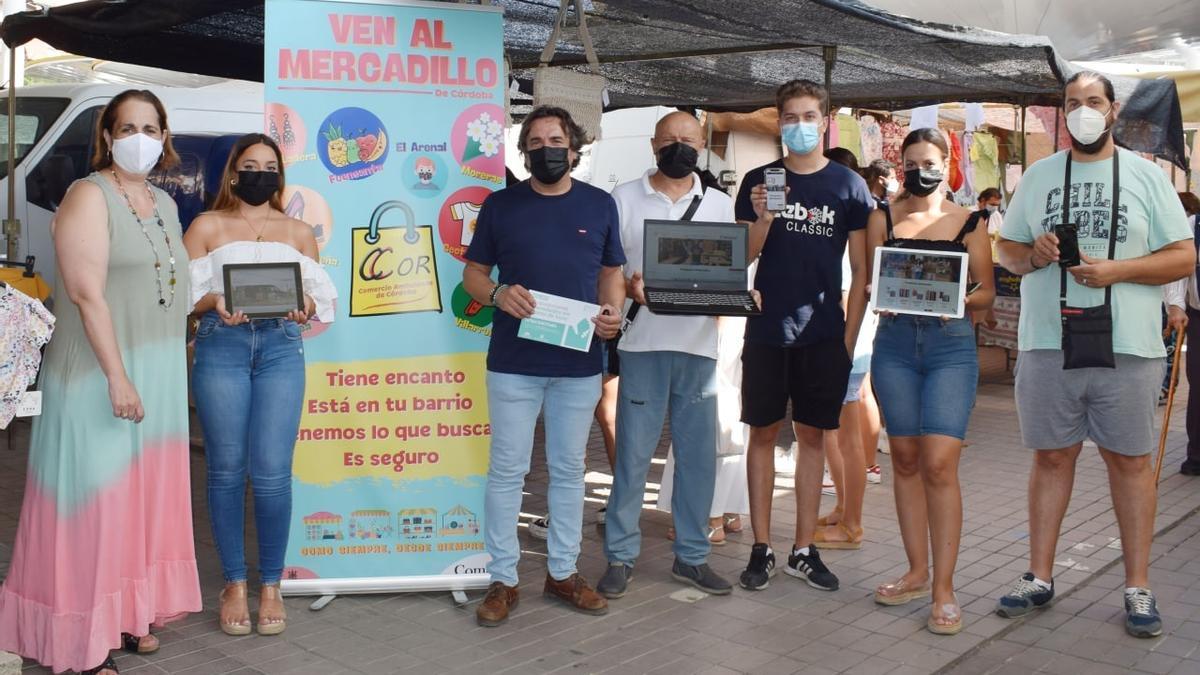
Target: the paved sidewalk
pixel 660 626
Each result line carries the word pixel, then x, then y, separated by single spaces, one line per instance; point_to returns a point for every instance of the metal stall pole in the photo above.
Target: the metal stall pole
pixel 829 53
pixel 1024 149
pixel 12 226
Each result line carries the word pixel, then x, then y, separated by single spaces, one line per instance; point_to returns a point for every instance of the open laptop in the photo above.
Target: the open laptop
pixel 696 268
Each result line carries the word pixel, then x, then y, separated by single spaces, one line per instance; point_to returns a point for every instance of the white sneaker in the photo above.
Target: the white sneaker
pixel 875 475
pixel 785 462
pixel 827 486
pixel 539 528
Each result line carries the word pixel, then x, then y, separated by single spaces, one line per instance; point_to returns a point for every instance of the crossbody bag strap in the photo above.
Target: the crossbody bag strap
pixel 687 215
pixel 1116 213
pixel 691 209
pixel 1066 218
pixel 1112 228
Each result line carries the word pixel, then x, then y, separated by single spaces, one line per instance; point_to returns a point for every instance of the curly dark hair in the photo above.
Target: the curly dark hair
pixel 576 136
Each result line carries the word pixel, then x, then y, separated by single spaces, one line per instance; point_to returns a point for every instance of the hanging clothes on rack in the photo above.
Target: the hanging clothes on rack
pixel 968 167
pixel 871 138
pixel 985 160
pixel 956 160
pixel 893 138
pixel 25 327
pixel 850 136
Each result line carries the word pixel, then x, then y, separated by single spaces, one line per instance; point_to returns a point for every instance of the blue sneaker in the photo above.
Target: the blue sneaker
pixel 1025 597
pixel 1141 614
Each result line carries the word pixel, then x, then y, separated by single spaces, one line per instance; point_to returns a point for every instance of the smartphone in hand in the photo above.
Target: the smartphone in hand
pixel 776 182
pixel 1068 244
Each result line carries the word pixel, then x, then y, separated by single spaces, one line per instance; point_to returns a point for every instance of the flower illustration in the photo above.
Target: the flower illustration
pixel 476 130
pixel 485 137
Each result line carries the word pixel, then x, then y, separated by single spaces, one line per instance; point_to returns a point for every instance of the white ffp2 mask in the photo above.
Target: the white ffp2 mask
pixel 1086 124
pixel 137 154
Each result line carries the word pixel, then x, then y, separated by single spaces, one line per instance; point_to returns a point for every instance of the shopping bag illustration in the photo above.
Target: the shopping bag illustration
pixel 395 269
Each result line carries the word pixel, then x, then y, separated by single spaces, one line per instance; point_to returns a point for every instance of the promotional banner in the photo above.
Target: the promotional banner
pixel 390 116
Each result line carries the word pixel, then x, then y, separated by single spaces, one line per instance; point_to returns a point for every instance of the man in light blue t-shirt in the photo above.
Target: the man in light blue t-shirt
pixel 1060 401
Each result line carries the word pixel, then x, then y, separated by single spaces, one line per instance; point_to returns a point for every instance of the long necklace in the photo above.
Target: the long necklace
pixel 259 232
pixel 162 300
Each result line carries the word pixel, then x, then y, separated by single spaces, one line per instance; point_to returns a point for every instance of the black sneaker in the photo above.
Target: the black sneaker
pixel 758 573
pixel 1190 467
pixel 811 569
pixel 1025 597
pixel 1141 614
pixel 702 577
pixel 615 580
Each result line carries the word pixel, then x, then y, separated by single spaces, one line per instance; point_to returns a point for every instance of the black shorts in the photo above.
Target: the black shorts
pixel 814 377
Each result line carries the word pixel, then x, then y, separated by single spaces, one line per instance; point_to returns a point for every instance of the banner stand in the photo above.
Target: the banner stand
pixel 389 115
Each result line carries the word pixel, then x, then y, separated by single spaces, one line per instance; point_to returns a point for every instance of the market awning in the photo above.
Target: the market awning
pixel 705 53
pixel 711 54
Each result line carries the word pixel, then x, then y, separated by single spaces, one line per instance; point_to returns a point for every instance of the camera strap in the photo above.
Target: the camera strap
pixel 1112 228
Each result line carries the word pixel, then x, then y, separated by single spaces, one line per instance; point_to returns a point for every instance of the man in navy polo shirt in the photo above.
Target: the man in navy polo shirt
pixel 562 237
pixel 800 348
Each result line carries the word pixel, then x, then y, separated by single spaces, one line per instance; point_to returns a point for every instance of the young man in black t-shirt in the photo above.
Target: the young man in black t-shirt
pixel 800 348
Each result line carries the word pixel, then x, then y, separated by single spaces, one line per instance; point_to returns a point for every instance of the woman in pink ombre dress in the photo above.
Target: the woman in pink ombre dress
pixel 104 548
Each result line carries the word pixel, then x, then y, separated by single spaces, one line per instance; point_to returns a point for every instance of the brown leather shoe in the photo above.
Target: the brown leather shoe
pixel 575 592
pixel 494 609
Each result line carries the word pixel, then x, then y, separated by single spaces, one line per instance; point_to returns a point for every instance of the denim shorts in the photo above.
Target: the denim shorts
pixel 854 389
pixel 925 372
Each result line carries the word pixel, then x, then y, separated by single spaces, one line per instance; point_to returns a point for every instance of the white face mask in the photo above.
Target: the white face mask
pixel 137 154
pixel 992 208
pixel 1086 124
pixel 892 186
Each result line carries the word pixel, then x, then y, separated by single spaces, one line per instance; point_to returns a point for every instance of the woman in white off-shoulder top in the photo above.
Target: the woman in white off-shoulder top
pixel 248 376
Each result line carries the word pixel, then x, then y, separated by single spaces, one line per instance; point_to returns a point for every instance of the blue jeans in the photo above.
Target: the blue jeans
pixel 651 384
pixel 925 372
pixel 514 402
pixel 248 382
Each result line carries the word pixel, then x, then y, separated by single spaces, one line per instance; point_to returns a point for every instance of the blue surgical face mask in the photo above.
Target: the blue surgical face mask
pixel 801 137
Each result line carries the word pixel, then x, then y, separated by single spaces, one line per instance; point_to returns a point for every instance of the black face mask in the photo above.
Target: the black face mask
pixel 922 182
pixel 548 165
pixel 256 187
pixel 677 160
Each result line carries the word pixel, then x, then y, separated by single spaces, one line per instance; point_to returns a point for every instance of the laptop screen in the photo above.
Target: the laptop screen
pixel 696 254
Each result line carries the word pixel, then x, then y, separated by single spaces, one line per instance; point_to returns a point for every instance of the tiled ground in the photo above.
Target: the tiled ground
pixel 790 628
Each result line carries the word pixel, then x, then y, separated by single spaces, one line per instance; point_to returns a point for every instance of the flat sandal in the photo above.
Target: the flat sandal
pixel 133 644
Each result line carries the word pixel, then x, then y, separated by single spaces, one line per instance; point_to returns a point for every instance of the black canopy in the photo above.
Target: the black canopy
pixel 712 54
pixel 716 54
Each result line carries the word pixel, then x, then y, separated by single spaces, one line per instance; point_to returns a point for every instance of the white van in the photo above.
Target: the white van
pixel 55 129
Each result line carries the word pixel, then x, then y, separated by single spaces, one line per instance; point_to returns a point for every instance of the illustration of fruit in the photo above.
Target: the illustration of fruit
pixel 336 147
pixel 366 145
pixel 380 146
pixel 352 150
